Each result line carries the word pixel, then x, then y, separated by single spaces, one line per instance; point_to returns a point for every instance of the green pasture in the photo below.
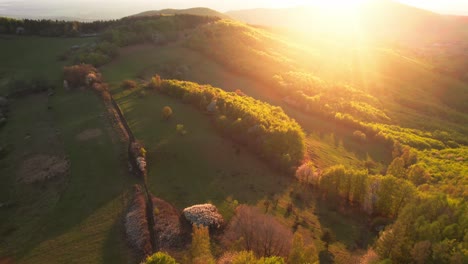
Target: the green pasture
pixel 76 218
pixel 33 57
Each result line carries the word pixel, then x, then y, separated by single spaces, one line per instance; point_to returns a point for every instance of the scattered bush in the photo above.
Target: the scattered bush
pixel 129 84
pixel 359 136
pixel 155 83
pixel 166 112
pixel 306 174
pixel 76 75
pixel 181 129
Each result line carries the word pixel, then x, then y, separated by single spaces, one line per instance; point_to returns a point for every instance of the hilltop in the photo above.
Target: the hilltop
pixel 197 11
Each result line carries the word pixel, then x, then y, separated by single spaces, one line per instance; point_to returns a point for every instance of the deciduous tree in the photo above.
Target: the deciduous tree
pixel 200 251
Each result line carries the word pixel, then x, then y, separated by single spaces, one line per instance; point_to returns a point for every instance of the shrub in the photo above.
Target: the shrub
pixel 200 251
pixel 155 83
pixel 360 136
pixel 160 258
pixel 129 84
pixel 166 112
pixel 76 75
pixel 258 232
pixel 306 174
pixel 181 130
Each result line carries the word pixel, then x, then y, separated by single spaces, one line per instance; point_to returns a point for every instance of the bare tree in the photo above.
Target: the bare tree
pixel 258 232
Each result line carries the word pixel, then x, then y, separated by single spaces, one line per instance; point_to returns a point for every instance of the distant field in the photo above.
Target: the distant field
pixel 30 57
pixel 77 217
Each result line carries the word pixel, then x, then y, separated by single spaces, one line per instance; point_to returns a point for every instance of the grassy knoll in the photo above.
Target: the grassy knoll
pixel 77 216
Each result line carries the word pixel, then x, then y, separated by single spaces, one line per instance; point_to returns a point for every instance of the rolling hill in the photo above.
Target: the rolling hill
pixel 370 135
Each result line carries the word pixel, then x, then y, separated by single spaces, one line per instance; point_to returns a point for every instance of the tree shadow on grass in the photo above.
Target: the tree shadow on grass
pixel 326 257
pixel 348 225
pixel 116 244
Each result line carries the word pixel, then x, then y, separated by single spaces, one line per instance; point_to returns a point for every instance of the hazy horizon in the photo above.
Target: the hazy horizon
pixel 107 9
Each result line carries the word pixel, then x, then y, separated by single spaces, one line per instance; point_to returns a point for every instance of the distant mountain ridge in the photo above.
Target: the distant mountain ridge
pixel 59 18
pixel 390 19
pixel 198 11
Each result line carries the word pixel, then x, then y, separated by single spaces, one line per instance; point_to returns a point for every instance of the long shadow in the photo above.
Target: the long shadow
pixel 348 224
pixel 116 242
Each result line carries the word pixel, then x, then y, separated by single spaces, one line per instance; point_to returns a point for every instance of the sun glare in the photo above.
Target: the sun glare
pixel 337 16
pixel 339 4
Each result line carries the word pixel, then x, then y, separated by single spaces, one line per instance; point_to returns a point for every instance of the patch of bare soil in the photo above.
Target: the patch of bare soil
pixel 42 167
pixel 89 134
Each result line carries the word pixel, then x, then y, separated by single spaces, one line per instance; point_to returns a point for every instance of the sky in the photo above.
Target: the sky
pixel 118 8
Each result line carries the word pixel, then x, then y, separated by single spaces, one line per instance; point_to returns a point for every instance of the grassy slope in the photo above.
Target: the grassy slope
pixel 329 145
pixel 77 219
pixel 407 88
pixel 202 166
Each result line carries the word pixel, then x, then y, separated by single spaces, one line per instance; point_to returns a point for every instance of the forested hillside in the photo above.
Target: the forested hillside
pixel 345 148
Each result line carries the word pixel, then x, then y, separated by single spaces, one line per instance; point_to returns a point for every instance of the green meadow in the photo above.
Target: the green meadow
pixel 76 217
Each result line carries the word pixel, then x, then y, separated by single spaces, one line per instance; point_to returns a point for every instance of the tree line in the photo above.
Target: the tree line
pixel 59 28
pixel 266 129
